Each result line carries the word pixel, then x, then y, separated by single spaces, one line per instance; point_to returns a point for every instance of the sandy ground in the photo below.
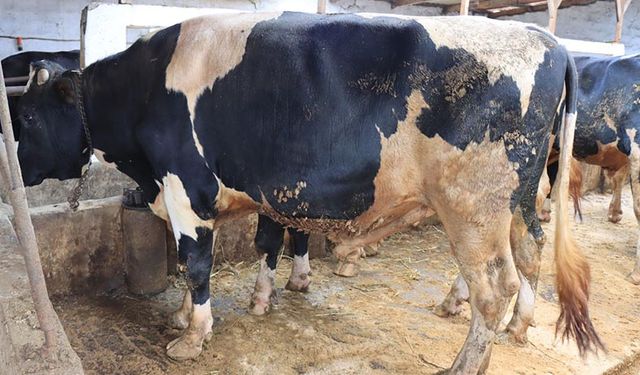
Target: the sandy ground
pixel 381 322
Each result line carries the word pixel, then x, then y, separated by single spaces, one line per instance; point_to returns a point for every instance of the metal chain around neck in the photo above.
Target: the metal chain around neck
pixel 74 197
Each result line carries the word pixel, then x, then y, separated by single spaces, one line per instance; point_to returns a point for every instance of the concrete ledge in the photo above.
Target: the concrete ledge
pixel 81 251
pixel 102 182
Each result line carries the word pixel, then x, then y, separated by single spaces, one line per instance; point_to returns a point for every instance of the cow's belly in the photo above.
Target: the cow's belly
pixel 608 157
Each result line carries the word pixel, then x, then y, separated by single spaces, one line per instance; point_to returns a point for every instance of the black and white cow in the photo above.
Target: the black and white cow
pixel 269 235
pixel 608 124
pixel 356 126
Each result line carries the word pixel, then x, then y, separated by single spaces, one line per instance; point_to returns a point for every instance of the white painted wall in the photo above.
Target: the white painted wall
pixel 59 19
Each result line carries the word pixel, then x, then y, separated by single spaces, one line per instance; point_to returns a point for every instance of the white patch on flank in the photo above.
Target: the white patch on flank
pixel 183 219
pixel 202 318
pixel 99 154
pixel 207 49
pixel 506 48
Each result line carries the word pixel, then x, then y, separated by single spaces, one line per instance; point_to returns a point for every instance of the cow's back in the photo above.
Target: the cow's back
pixel 608 105
pixel 305 110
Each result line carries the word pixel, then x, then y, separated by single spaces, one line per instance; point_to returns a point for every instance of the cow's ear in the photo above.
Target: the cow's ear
pixel 64 88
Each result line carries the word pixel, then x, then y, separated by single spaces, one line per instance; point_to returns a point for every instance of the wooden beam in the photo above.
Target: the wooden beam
pixel 552 7
pixel 537 6
pixel 621 9
pixel 397 3
pixel 505 11
pixel 464 7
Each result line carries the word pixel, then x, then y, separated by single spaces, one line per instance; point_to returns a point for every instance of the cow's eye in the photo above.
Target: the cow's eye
pixel 26 119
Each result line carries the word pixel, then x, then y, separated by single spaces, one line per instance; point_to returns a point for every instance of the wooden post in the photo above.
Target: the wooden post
pixel 621 9
pixel 553 6
pixel 464 7
pixel 10 169
pixel 322 6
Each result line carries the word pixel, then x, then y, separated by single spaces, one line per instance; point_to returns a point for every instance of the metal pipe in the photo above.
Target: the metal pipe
pixel 21 79
pixel 15 90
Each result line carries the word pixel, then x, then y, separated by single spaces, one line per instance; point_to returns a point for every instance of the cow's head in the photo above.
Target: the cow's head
pixel 52 142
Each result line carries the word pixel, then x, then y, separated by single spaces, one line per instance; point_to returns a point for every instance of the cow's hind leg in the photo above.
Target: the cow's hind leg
pixel 615 207
pixel 299 279
pixel 269 237
pixel 484 258
pixel 634 170
pixel 452 304
pixel 348 257
pixel 527 241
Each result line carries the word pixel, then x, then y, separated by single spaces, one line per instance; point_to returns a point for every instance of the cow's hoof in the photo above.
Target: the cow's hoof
pixel 634 278
pixel 183 348
pixel 545 216
pixel 615 218
pixel 259 305
pixel 259 308
pixel 510 338
pixel 179 320
pixel 298 283
pixel 346 269
pixel 370 251
pixel 445 312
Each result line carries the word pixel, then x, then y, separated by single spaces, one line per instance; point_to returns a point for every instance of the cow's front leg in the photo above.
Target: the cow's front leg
pixel 299 279
pixel 195 253
pixel 269 237
pixel 191 215
pixel 180 318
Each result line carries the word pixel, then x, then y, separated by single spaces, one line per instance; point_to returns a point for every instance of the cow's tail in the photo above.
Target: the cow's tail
pixel 572 270
pixel 575 187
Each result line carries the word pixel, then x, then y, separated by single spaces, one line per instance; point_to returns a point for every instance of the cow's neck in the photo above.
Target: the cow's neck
pixel 112 90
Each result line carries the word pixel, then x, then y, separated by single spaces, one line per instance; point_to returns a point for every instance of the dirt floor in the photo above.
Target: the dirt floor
pixel 381 322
